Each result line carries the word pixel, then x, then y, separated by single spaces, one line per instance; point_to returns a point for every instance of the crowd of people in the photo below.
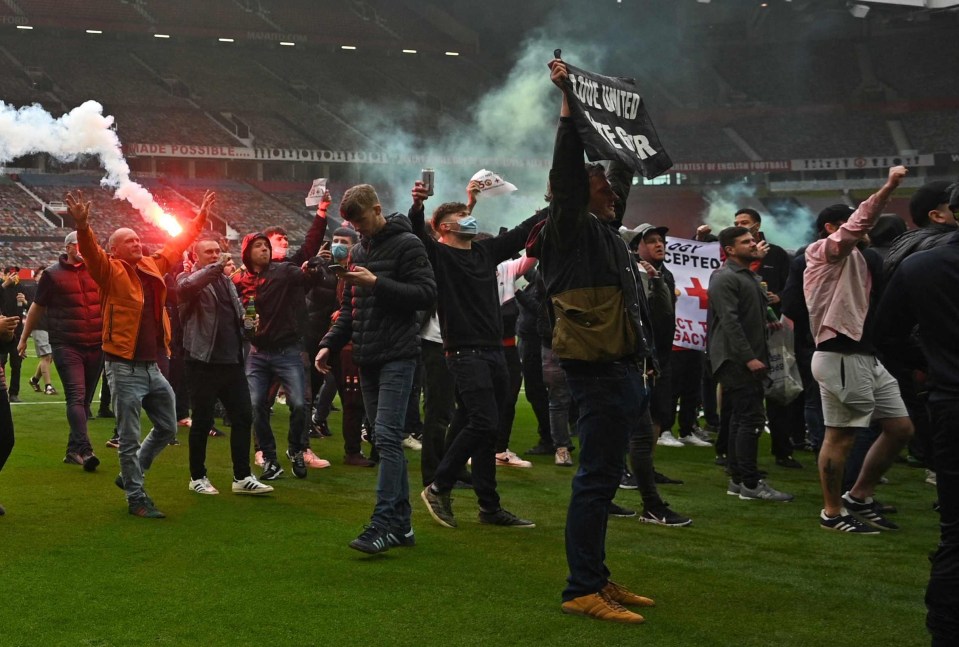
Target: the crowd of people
pixel 391 308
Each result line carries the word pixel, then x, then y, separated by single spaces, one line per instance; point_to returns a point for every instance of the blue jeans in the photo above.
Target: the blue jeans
pixel 79 368
pixel 610 397
pixel 386 393
pixel 140 386
pixel 285 365
pixel 559 398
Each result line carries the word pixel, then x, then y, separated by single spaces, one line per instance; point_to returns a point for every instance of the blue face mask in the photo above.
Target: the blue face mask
pixel 340 251
pixel 468 226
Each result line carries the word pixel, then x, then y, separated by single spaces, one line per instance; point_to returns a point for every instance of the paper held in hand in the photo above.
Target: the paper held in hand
pixel 315 195
pixel 491 184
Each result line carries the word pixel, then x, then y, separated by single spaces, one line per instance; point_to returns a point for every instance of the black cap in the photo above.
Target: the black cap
pixel 833 214
pixel 926 198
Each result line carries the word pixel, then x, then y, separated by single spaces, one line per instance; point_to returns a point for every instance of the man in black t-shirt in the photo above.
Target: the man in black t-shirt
pixel 471 325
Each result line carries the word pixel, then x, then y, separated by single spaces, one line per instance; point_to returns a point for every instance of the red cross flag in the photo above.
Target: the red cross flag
pixel 692 263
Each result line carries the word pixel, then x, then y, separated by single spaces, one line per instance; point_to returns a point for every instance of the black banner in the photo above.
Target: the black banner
pixel 612 121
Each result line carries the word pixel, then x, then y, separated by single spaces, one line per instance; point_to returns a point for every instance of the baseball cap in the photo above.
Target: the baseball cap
pixel 633 236
pixel 833 214
pixel 71 238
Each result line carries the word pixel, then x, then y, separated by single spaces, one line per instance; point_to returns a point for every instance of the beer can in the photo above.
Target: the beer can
pixel 428 176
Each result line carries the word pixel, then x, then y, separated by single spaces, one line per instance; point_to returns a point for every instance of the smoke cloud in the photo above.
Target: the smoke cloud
pixel 82 131
pixel 515 120
pixel 786 223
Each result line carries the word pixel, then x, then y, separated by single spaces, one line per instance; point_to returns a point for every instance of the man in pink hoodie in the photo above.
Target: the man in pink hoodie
pixel 855 386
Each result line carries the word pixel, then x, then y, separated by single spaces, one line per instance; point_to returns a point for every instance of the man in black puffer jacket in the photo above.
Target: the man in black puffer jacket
pixel 387 280
pixel 69 301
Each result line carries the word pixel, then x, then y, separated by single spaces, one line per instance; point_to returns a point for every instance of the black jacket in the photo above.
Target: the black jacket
pixel 581 255
pixel 915 240
pixel 72 300
pixel 381 321
pixel 198 311
pixel 935 308
pixel 279 292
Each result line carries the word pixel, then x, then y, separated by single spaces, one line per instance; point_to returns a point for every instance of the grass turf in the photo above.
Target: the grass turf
pixel 76 569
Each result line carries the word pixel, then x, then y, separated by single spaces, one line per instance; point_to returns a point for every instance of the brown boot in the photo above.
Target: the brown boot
pixel 601 607
pixel 357 460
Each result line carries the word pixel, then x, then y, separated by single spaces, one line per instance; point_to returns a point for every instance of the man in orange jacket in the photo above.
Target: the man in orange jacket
pixel 136 330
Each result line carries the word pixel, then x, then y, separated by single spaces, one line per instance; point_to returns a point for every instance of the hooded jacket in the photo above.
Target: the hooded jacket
pixel 72 300
pixel 381 321
pixel 279 293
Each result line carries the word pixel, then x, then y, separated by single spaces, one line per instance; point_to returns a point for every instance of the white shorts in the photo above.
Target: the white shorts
pixel 855 389
pixel 41 341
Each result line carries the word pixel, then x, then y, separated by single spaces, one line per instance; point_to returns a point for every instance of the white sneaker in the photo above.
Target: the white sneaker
pixel 693 440
pixel 250 485
pixel 314 461
pixel 509 459
pixel 563 458
pixel 930 477
pixel 411 443
pixel 203 486
pixel 667 439
pixel 258 459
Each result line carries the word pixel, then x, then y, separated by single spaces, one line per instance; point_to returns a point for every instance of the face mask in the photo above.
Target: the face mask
pixel 468 226
pixel 340 251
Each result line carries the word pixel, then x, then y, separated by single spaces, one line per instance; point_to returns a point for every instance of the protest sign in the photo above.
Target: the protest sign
pixel 491 184
pixel 692 263
pixel 315 196
pixel 612 121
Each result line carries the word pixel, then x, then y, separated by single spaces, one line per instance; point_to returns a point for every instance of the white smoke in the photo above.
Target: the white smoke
pixel 82 131
pixel 790 227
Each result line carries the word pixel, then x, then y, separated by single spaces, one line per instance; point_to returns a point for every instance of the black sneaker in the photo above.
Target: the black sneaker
pixel 90 462
pixel 118 481
pixel 216 433
pixel 845 522
pixel 866 511
pixel 146 509
pixel 664 516
pixel 105 413
pixel 400 539
pixel 503 517
pixel 298 463
pixel 720 460
pixel 35 384
pixel 371 541
pixel 789 462
pixel 628 481
pixel 440 506
pixel 616 510
pixel 662 479
pixel 271 471
pixel 541 449
pixel 320 430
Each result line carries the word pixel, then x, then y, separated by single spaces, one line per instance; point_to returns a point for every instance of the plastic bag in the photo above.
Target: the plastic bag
pixel 783 382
